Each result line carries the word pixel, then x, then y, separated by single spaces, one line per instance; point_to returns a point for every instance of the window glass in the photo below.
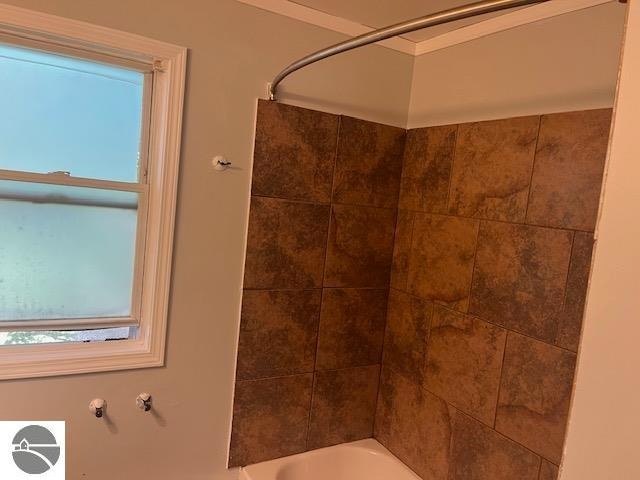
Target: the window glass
pixel 65 252
pixel 67 114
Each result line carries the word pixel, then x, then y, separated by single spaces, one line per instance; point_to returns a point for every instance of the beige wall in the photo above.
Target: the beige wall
pixel 234 50
pixel 602 439
pixel 560 64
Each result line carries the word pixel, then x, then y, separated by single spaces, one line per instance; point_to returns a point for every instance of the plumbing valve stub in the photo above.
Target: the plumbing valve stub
pixel 143 401
pixel 98 407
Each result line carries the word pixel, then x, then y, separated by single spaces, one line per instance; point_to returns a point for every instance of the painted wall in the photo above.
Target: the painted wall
pixel 561 64
pixel 603 429
pixel 234 51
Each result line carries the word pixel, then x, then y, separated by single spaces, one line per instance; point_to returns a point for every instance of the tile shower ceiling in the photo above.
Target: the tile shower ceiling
pixel 386 12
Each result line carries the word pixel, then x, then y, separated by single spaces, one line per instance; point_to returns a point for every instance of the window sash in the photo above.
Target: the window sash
pixel 68 324
pixel 56 178
pixel 141 187
pixel 141 234
pixel 55 46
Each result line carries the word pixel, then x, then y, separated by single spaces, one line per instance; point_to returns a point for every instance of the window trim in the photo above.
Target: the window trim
pixel 168 63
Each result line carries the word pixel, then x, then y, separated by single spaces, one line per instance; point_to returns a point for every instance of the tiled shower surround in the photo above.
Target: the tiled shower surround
pixel 426 289
pixel 320 246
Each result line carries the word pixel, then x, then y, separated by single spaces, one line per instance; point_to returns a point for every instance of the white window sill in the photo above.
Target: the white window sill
pixel 26 361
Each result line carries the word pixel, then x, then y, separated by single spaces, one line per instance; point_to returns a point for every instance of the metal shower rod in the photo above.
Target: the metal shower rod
pixel 439 18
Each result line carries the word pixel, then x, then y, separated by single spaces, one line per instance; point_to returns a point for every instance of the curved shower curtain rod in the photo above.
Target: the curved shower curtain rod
pixel 439 18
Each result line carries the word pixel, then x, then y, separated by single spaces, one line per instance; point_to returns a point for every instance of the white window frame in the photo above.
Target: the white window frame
pixel 168 63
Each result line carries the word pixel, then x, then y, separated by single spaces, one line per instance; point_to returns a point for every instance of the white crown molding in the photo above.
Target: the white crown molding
pixel 497 24
pixel 328 21
pixel 503 22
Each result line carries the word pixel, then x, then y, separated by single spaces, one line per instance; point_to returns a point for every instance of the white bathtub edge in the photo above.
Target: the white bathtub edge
pixel 268 470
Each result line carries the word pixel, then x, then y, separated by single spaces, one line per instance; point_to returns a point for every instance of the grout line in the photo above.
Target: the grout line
pixel 274 377
pixel 412 229
pixel 453 162
pixel 533 169
pixel 318 330
pixel 324 273
pixel 335 160
pixel 313 391
pixel 402 165
pixel 397 202
pixel 520 224
pixel 391 273
pixel 291 200
pixel 403 168
pixel 451 465
pixel 504 354
pixel 540 468
pixel 473 269
pixel 384 342
pixel 393 252
pixel 363 205
pixel 276 289
pixel 482 319
pixel 386 314
pixel 322 204
pixel 307 289
pixel 566 285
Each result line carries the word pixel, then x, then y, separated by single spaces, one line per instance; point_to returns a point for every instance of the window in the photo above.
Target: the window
pixel 89 142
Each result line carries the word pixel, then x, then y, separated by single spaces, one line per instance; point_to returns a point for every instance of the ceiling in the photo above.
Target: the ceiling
pixel 380 13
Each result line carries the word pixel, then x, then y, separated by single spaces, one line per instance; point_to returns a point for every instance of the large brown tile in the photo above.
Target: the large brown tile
pixel 534 395
pixel 360 247
pixel 405 343
pixel 265 426
pixel 567 178
pixel 479 453
pixel 414 425
pixel 286 244
pixel 571 318
pixel 548 471
pixel 428 158
pixel 442 255
pixel 464 361
pixel 492 168
pixel 344 404
pixel 351 328
pixel 278 333
pixel 402 250
pixel 294 152
pixel 519 278
pixel 369 163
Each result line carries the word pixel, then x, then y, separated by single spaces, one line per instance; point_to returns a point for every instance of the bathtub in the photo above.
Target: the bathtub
pixel 362 460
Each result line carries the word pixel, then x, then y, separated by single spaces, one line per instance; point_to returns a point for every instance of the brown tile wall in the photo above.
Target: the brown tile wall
pixel 452 322
pixel 320 245
pixel 490 266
